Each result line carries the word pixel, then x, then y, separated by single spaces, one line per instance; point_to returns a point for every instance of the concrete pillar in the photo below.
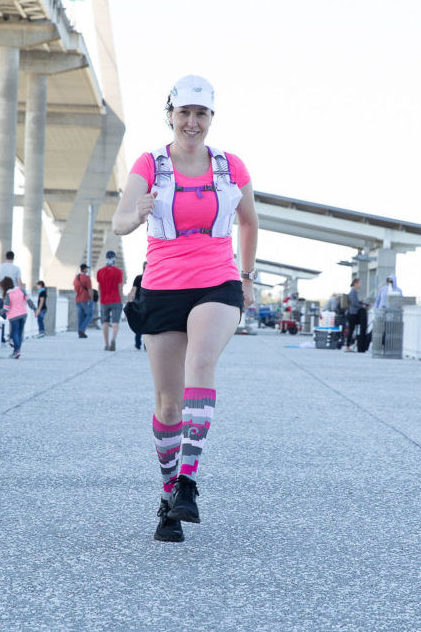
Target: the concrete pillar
pixel 293 286
pixel 50 316
pixel 386 264
pixel 35 120
pixel 362 273
pixel 9 69
pixel 72 313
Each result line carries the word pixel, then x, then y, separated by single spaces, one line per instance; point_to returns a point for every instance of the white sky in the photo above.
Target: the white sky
pixel 320 98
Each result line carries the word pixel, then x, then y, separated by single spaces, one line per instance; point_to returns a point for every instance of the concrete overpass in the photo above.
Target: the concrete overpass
pixel 376 237
pixel 56 121
pixel 292 274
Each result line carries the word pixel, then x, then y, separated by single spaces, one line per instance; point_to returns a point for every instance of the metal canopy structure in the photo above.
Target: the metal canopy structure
pixel 66 138
pixel 285 270
pixel 335 225
pixel 292 274
pixel 378 238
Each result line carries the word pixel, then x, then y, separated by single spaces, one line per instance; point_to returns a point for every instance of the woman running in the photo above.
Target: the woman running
pixel 192 294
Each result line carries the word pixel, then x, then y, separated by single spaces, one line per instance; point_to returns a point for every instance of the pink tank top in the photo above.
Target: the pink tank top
pixel 196 260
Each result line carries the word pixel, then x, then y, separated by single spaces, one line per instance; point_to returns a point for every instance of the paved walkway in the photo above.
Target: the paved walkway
pixel 310 494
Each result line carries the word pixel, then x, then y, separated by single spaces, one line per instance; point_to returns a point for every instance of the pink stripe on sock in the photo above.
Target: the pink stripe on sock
pixel 168 487
pixel 199 426
pixel 189 469
pixel 159 427
pixel 199 393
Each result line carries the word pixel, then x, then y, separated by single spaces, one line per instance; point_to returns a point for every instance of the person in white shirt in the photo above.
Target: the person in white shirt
pixel 8 269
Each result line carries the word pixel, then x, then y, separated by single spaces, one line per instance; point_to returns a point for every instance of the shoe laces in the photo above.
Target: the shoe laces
pixel 163 510
pixel 188 486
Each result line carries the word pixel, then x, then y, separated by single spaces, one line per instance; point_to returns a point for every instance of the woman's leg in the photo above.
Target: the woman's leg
pixel 362 338
pixel 209 329
pixel 166 353
pixel 14 324
pixel 210 326
pixel 21 327
pixel 352 321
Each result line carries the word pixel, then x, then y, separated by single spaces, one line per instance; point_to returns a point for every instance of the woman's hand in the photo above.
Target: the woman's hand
pixel 145 205
pixel 134 206
pixel 131 295
pixel 248 293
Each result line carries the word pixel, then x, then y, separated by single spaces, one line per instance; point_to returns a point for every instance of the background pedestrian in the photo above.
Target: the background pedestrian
pixel 134 295
pixel 110 282
pixel 84 299
pixel 41 308
pixel 390 288
pixel 357 315
pixel 14 303
pixel 8 269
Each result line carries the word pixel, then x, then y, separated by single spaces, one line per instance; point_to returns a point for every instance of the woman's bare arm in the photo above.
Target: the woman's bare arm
pixel 130 212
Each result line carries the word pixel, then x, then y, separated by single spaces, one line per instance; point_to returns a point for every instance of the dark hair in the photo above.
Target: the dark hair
pixel 41 283
pixel 169 108
pixel 6 284
pixel 354 281
pixel 10 255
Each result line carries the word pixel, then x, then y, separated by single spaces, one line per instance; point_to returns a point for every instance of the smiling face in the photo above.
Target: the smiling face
pixel 191 124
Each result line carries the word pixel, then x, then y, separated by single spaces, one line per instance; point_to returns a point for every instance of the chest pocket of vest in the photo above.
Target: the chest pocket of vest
pixel 229 199
pixel 156 220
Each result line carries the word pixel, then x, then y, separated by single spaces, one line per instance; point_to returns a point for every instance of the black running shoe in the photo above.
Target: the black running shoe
pixel 183 500
pixel 168 530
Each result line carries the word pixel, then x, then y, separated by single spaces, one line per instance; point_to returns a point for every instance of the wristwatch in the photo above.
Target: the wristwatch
pixel 250 275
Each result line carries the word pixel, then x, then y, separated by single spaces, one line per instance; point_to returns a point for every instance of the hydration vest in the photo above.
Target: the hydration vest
pixel 161 223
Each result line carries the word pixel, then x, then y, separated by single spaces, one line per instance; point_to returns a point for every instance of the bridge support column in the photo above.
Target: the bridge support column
pixel 362 273
pixel 91 190
pixel 386 264
pixel 293 286
pixel 9 68
pixel 35 120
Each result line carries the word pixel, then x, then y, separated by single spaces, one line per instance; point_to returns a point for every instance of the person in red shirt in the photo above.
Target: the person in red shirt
pixel 110 283
pixel 84 304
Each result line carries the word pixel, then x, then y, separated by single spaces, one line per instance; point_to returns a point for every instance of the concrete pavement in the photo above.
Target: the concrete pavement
pixel 309 483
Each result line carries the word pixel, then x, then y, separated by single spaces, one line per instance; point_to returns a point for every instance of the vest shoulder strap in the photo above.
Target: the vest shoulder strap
pixel 164 172
pixel 221 166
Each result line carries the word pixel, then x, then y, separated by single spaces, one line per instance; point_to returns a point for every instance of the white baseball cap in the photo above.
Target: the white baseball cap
pixel 193 90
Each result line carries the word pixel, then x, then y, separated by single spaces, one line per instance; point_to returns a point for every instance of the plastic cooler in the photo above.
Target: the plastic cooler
pixel 327 337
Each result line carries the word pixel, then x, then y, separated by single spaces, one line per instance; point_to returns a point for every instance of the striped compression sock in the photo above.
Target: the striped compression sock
pixel 198 407
pixel 167 443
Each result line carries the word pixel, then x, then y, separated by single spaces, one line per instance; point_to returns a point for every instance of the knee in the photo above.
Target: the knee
pixel 200 364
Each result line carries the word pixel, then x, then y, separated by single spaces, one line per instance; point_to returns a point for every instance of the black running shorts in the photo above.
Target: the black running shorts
pixel 168 310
